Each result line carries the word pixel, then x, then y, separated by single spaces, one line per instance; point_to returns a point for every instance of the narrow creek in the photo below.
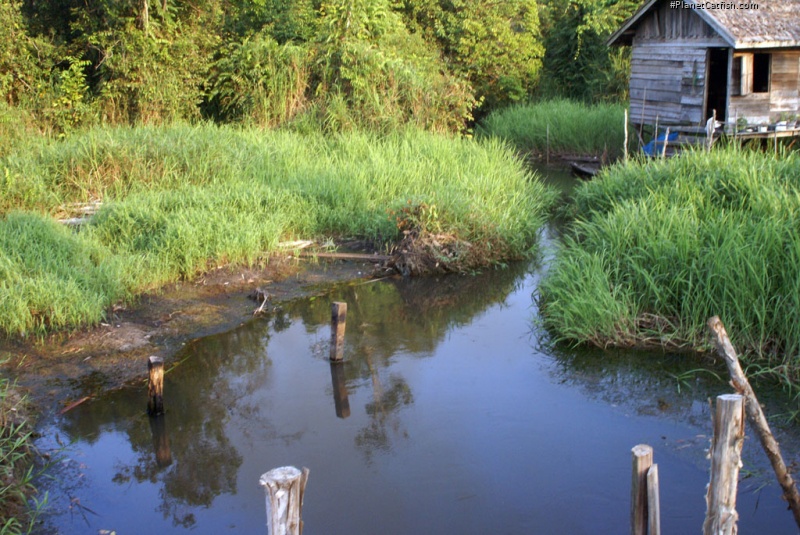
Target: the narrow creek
pixel 452 413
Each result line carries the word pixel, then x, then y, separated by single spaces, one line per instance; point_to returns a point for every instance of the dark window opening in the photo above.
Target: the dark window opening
pixel 761 73
pixel 736 77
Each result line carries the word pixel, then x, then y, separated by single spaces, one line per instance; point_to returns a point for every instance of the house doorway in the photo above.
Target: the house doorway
pixel 717 76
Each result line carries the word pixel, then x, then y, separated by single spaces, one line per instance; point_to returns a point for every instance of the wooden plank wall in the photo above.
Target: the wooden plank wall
pixel 668 83
pixel 666 23
pixel 668 67
pixel 784 94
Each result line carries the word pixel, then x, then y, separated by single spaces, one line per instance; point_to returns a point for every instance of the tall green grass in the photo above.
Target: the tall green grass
pixel 560 126
pixel 178 200
pixel 17 515
pixel 658 247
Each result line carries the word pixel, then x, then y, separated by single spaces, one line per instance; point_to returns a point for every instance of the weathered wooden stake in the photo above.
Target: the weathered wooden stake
pixel 284 487
pixel 338 320
pixel 653 502
pixel 642 461
pixel 341 401
pixel 726 451
pixel 755 415
pixel 666 140
pixel 155 386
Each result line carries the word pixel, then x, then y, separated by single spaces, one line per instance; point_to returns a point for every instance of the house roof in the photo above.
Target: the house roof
pixel 772 24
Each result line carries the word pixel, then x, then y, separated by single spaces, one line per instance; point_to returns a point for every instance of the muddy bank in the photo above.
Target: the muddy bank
pixel 64 368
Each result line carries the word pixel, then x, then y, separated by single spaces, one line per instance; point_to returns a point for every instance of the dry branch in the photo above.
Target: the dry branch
pixel 755 415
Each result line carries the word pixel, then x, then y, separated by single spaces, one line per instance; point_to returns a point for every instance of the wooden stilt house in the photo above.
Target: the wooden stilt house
pixel 691 60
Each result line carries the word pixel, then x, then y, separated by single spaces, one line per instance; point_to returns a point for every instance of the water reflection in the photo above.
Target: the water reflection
pixel 445 417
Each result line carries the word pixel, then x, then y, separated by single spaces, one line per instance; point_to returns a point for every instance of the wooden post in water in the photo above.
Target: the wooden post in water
pixel 338 319
pixel 155 386
pixel 642 461
pixel 726 450
pixel 755 415
pixel 284 487
pixel 653 502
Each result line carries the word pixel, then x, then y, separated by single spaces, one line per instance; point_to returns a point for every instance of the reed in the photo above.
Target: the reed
pixel 574 127
pixel 658 247
pixel 179 200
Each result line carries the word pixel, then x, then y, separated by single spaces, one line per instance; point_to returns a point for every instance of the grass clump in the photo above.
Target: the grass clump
pixel 179 200
pixel 17 468
pixel 658 247
pixel 574 127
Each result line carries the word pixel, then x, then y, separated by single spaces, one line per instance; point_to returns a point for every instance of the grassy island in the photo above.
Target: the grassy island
pixel 659 246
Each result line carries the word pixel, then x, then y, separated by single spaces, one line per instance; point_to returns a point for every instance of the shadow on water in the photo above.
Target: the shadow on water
pixel 450 414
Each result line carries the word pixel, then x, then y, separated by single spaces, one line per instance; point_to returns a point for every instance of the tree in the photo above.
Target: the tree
pixel 577 63
pixel 495 45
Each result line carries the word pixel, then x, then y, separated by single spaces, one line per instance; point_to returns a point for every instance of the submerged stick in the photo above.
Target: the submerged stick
pixel 755 415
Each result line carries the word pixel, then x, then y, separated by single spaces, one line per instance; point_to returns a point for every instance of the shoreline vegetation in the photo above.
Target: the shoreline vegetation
pixel 656 247
pixel 182 199
pixel 559 127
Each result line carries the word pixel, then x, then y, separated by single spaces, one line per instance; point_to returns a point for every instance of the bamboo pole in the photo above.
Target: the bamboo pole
pixel 642 457
pixel 155 386
pixel 726 454
pixel 653 502
pixel 547 149
pixel 284 487
pixel 338 321
pixel 755 415
pixel 625 144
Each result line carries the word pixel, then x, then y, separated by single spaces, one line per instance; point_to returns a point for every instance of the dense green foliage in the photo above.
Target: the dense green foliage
pixel 658 247
pixel 182 199
pixel 577 62
pixel 339 64
pixel 560 126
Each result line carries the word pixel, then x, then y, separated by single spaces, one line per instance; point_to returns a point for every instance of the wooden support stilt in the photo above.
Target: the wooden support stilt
pixel 642 461
pixel 755 415
pixel 726 451
pixel 284 487
pixel 155 386
pixel 338 320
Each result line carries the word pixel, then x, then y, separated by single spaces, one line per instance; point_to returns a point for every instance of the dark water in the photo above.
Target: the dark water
pixel 452 414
